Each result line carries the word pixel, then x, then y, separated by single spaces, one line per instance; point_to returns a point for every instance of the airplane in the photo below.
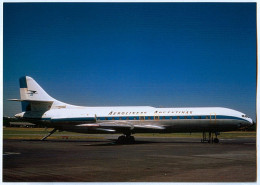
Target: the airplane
pixel 40 108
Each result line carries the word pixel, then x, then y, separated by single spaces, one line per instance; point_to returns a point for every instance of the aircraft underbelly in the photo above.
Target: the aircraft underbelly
pixel 203 125
pixel 168 125
pixel 195 126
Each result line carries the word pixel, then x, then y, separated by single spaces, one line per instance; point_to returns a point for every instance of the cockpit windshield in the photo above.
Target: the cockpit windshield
pixel 245 116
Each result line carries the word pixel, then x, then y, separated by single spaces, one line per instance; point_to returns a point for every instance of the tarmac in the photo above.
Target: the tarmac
pixel 148 160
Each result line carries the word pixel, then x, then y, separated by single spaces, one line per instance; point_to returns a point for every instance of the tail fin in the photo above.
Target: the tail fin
pixel 33 97
pixel 31 90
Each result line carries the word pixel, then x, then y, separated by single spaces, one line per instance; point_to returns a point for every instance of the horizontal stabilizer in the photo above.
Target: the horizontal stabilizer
pixel 20 100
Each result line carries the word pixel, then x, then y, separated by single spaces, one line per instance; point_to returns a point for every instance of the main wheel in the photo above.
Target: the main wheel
pixel 131 139
pixel 121 140
pixel 216 140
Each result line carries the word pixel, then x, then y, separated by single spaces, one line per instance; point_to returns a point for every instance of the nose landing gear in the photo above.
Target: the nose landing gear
pixel 210 138
pixel 216 140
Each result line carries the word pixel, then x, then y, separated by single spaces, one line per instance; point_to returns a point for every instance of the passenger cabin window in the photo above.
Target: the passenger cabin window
pixel 120 118
pixel 141 117
pixel 156 117
pixel 127 118
pixel 113 118
pixel 163 117
pixel 134 118
pixel 178 117
pixel 149 118
pixel 207 117
pixel 170 117
pixel 185 117
pixel 106 119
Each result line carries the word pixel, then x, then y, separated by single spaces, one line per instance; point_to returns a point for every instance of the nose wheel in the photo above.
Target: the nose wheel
pixel 216 140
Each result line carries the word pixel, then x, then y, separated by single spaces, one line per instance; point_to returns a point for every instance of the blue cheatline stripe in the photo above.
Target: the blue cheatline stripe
pixel 207 117
pixel 70 119
pixel 23 83
pixel 202 117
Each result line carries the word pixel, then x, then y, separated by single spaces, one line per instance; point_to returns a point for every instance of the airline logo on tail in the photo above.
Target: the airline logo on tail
pixel 31 92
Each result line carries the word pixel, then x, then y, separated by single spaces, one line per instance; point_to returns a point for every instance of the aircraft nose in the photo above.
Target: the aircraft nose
pixel 251 122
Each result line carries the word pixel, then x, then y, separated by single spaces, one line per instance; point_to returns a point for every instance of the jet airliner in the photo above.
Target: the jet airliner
pixel 40 108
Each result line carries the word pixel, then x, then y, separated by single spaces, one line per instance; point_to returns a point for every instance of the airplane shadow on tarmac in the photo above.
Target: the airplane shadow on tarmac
pixel 109 142
pixel 112 142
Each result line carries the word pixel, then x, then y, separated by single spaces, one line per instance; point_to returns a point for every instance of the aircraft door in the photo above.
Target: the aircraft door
pixel 213 117
pixel 141 117
pixel 156 117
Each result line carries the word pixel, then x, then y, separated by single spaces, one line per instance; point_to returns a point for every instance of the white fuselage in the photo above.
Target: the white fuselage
pixel 213 119
pixel 39 107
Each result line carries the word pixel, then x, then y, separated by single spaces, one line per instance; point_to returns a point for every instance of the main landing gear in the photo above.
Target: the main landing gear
pixel 210 139
pixel 125 139
pixel 50 133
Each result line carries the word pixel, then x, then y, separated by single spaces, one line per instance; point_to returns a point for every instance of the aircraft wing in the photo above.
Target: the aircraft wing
pixel 114 125
pixel 120 125
pixel 156 127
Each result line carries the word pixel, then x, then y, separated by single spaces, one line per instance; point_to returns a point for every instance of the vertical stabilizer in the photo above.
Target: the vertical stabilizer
pixel 33 97
pixel 31 90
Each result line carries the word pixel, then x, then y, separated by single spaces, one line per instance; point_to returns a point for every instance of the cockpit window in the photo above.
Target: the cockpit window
pixel 245 116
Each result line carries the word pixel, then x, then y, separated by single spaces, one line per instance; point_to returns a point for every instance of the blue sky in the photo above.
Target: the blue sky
pixel 110 54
